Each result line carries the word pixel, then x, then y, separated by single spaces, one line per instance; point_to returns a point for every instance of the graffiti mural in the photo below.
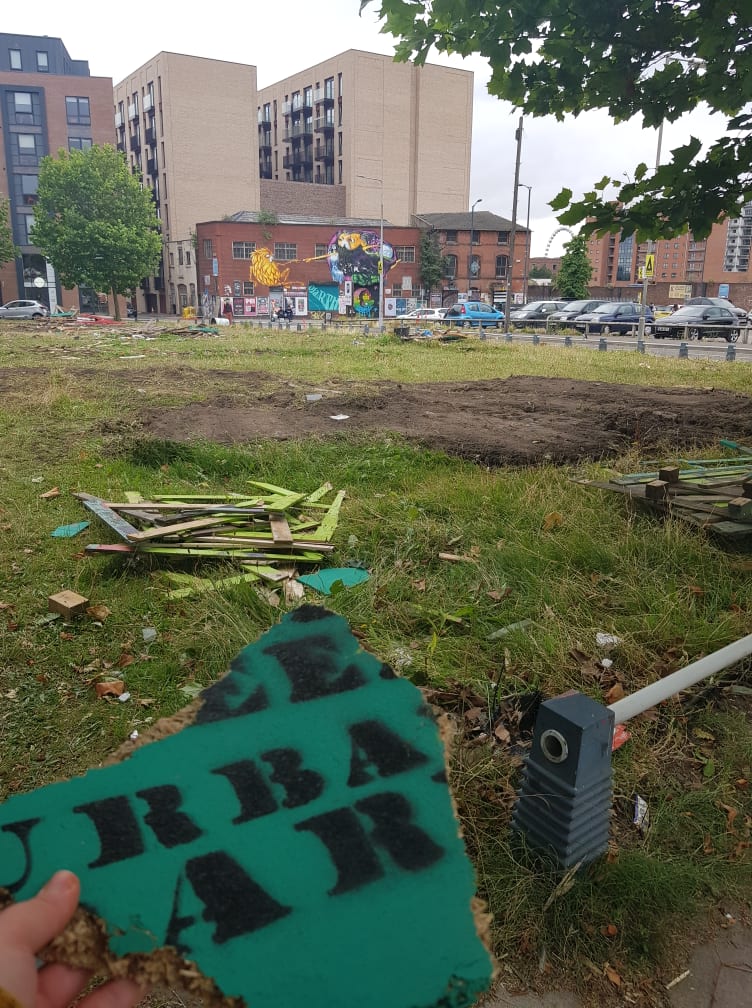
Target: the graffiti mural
pixel 351 255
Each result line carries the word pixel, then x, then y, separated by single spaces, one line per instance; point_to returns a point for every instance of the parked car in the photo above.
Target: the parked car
pixel 613 316
pixel 474 313
pixel 698 322
pixel 720 302
pixel 574 308
pixel 423 314
pixel 23 310
pixel 536 311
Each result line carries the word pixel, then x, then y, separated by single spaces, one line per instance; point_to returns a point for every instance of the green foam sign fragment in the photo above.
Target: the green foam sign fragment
pixel 296 841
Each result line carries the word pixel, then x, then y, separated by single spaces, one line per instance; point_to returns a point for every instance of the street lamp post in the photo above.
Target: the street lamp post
pixel 525 278
pixel 471 262
pixel 370 178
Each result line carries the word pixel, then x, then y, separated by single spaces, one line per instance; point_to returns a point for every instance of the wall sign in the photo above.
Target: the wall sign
pixel 296 841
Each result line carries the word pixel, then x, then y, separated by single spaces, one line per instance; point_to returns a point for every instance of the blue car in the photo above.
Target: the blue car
pixel 613 317
pixel 474 313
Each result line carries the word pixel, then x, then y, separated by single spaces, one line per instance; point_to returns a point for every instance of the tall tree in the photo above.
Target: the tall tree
pixel 8 250
pixel 94 222
pixel 653 58
pixel 432 260
pixel 575 271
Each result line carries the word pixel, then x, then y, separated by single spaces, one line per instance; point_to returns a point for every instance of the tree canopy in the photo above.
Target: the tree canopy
pixel 575 270
pixel 653 58
pixel 432 260
pixel 94 222
pixel 8 250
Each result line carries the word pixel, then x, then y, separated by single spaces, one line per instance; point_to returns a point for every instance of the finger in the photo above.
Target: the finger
pixel 114 994
pixel 29 926
pixel 58 985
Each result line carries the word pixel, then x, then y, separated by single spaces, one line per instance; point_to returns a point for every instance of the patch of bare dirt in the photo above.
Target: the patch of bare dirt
pixel 518 420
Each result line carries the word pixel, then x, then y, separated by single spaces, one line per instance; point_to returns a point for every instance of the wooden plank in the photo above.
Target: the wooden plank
pixel 322 491
pixel 740 507
pixel 280 529
pixel 98 507
pixel 329 521
pixel 164 530
pixel 204 585
pixel 242 542
pixel 251 507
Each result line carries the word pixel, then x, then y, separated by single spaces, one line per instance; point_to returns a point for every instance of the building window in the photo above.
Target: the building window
pixel 450 237
pixel 329 87
pixel 180 255
pixel 502 238
pixel 28 221
pixel 23 109
pixel 285 250
pixel 248 288
pixel 624 260
pixel 339 172
pixel 27 148
pixel 450 267
pixel 187 258
pixel 80 143
pixel 501 266
pixel 43 63
pixel 320 250
pixel 15 59
pixel 242 249
pixel 208 248
pixel 405 253
pixel 77 111
pixel 29 186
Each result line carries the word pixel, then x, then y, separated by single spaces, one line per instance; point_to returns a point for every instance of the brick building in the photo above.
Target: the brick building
pixel 48 101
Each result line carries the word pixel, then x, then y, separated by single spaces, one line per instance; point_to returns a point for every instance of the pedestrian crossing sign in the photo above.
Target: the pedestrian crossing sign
pixel 650 265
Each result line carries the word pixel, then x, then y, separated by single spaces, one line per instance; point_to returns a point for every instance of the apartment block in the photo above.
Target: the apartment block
pixel 48 102
pixel 396 136
pixel 186 125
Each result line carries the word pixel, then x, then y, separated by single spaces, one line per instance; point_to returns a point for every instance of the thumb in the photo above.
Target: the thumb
pixel 34 923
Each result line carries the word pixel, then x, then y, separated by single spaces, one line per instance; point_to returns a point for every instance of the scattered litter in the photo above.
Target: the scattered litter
pixel 313 396
pixel 324 580
pixel 133 735
pixel 641 818
pixel 510 628
pixel 54 492
pixel 67 603
pixel 98 612
pixel 621 735
pixel 605 663
pixel 678 979
pixel 47 619
pixel 606 640
pixel 113 688
pixel 124 697
pixel 457 558
pixel 68 531
pixel 37 479
pixel 148 634
pixel 339 416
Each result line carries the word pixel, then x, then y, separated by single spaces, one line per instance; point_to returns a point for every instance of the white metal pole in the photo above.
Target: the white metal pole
pixel 525 279
pixel 661 690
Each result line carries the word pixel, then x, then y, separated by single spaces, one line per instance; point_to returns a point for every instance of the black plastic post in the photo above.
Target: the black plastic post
pixel 564 804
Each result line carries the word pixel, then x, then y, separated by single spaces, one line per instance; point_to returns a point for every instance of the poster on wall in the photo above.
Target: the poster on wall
pixel 390 307
pixel 262 305
pixel 250 305
pixel 301 305
pixel 348 292
pixel 238 306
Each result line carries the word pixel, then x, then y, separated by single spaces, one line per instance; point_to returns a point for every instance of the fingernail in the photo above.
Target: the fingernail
pixel 60 884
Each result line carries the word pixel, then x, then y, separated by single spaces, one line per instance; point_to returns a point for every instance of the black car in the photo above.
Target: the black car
pixel 719 302
pixel 574 308
pixel 698 322
pixel 613 317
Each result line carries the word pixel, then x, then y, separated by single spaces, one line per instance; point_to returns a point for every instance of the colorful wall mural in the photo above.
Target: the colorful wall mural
pixel 351 255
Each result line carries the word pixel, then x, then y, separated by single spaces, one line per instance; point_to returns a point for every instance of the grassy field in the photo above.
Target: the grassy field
pixel 542 549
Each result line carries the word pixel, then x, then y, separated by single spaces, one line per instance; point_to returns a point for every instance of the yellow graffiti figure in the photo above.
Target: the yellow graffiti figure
pixel 264 270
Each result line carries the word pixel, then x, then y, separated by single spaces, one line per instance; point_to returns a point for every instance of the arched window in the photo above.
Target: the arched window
pixel 450 267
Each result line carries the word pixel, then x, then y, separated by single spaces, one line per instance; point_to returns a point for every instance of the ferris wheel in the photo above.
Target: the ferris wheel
pixel 558 231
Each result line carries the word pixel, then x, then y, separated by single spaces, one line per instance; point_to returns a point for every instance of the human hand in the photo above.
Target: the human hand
pixel 27 927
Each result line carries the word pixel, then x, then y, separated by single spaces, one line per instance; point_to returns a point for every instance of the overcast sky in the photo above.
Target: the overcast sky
pixel 284 37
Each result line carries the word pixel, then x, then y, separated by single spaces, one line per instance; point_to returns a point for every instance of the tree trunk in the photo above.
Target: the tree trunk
pixel 115 303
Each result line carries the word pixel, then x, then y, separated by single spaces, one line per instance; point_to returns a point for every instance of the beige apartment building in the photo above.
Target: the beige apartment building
pixel 396 136
pixel 187 128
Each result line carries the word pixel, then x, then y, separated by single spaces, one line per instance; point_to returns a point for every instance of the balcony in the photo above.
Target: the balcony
pixel 265 167
pixel 324 124
pixel 322 95
pixel 135 143
pixel 121 146
pixel 118 120
pixel 324 152
pixel 150 136
pixel 148 102
pixel 133 111
pixel 265 141
pixel 324 177
pixel 152 167
pixel 296 158
pixel 298 129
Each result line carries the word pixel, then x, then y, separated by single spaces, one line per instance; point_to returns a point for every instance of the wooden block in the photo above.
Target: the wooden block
pixel 740 507
pixel 670 474
pixel 67 603
pixel 656 490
